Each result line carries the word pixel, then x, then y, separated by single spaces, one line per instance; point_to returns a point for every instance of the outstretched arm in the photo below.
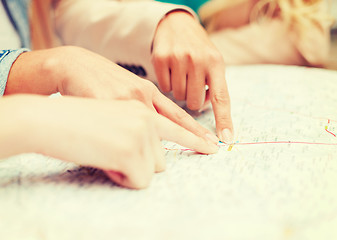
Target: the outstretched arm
pixel 120 137
pixel 78 72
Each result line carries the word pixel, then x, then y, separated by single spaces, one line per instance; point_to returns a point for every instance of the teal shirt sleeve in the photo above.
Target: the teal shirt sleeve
pixel 194 4
pixel 7 58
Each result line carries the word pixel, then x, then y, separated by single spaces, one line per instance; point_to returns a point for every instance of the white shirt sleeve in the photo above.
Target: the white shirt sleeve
pixel 122 31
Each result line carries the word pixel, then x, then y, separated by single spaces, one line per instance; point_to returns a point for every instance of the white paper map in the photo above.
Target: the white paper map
pixel 278 181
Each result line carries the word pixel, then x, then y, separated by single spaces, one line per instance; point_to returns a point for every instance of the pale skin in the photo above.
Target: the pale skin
pixel 78 72
pixel 93 132
pixel 121 137
pixel 185 61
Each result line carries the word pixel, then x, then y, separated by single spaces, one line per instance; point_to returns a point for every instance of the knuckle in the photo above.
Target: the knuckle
pixel 160 56
pixel 179 55
pixel 148 86
pixel 214 56
pixel 164 87
pixel 195 57
pixel 224 121
pixel 194 104
pixel 123 94
pixel 179 95
pixel 141 91
pixel 220 97
pixel 181 115
pixel 175 56
pixel 138 92
pixel 150 90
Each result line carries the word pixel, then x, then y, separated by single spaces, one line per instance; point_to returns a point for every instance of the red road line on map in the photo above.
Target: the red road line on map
pixel 330 132
pixel 259 143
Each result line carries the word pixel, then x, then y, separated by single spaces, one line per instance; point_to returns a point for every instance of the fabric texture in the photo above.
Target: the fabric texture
pixel 17 11
pixel 123 31
pixel 7 58
pixel 119 30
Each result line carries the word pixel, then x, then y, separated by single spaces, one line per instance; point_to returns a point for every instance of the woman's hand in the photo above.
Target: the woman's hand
pixel 120 137
pixel 78 72
pixel 186 61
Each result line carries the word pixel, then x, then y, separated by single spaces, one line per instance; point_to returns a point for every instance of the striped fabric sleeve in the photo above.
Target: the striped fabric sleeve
pixel 7 58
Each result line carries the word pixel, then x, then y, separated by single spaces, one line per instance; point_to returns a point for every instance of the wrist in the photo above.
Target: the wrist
pixel 181 12
pixel 64 68
pixel 32 73
pixel 167 25
pixel 177 13
pixel 14 126
pixel 29 126
pixel 56 68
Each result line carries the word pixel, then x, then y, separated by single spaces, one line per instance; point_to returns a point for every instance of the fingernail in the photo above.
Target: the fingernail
pixel 226 136
pixel 212 138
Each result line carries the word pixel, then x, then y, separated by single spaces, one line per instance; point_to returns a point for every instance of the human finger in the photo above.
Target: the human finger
pixel 162 70
pixel 169 109
pixel 207 101
pixel 139 169
pixel 147 157
pixel 116 177
pixel 133 181
pixel 195 88
pixel 171 131
pixel 178 78
pixel 221 103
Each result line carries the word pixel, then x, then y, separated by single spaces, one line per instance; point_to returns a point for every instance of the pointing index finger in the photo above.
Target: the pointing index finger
pixel 171 131
pixel 176 114
pixel 221 103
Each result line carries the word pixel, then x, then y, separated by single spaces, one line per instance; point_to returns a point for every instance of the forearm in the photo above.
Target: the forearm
pixel 36 124
pixel 35 72
pixel 15 128
pixel 88 132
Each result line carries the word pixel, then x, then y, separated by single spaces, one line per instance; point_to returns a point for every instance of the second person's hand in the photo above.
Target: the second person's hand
pixel 78 72
pixel 185 61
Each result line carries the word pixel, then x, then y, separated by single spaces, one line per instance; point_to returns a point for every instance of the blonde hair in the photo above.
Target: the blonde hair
pixel 299 14
pixel 210 9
